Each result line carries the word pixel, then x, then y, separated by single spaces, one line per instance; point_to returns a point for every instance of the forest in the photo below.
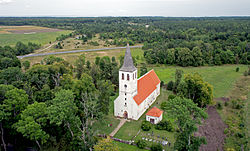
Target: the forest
pixel 55 104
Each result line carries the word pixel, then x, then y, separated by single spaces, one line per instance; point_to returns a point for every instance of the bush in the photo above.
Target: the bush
pixel 237 69
pixel 165 125
pixel 163 105
pixel 146 126
pixel 219 106
pixel 170 85
pixel 226 104
pixel 156 147
pixel 245 73
pixel 162 83
pixel 141 144
pixel 170 97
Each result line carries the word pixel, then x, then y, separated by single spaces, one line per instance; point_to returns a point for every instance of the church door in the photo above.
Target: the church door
pixel 125 114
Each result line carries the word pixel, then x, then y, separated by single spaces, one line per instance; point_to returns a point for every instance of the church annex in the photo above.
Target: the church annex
pixel 135 95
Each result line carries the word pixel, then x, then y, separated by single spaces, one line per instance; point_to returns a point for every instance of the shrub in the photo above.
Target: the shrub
pixel 141 144
pixel 163 105
pixel 146 126
pixel 170 97
pixel 162 83
pixel 237 69
pixel 156 147
pixel 170 85
pixel 164 125
pixel 226 104
pixel 245 73
pixel 219 106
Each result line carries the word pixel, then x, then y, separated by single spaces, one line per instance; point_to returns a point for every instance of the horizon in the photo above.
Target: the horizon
pixel 124 8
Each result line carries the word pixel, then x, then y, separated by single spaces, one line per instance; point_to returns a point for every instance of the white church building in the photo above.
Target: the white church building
pixel 135 95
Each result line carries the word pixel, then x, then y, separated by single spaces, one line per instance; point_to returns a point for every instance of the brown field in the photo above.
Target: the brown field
pixel 25 29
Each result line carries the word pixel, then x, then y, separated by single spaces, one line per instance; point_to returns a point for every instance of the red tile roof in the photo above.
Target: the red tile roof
pixel 154 112
pixel 145 86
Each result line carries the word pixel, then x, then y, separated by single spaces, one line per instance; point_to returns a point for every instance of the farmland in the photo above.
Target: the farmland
pixel 10 35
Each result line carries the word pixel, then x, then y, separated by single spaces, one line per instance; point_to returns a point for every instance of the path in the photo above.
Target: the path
pixel 73 51
pixel 213 129
pixel 122 121
pixel 46 48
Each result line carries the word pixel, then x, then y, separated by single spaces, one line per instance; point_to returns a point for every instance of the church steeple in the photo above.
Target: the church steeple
pixel 128 64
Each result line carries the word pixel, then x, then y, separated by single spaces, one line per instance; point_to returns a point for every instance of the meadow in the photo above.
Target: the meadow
pixel 39 35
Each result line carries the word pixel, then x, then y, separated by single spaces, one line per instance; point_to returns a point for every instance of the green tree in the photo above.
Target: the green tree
pixel 62 111
pixel 26 64
pixel 187 116
pixel 32 121
pixel 196 89
pixel 80 66
pixel 143 69
pixel 178 78
pixel 105 88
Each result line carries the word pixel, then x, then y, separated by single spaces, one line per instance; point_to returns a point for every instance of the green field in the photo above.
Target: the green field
pixel 38 38
pixel 221 78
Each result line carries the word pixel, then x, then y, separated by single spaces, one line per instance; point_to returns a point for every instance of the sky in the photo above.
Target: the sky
pixel 95 8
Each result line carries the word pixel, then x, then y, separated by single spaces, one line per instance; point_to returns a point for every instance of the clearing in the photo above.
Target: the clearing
pixel 10 35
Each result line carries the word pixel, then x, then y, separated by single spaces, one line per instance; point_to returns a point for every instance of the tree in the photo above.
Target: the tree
pixel 178 78
pixel 143 69
pixel 12 75
pixel 62 111
pixel 156 147
pixel 26 64
pixel 15 102
pixel 106 145
pixel 196 89
pixel 105 88
pixel 141 144
pixel 32 121
pixel 80 66
pixel 146 126
pixel 187 116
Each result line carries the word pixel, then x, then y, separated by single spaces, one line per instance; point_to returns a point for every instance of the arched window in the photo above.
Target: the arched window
pixel 125 86
pixel 125 104
pixel 128 77
pixel 123 76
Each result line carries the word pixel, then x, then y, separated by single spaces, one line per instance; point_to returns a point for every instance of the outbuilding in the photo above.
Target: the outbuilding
pixel 154 115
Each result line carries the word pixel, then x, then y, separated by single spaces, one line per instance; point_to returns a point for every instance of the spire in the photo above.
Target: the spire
pixel 128 65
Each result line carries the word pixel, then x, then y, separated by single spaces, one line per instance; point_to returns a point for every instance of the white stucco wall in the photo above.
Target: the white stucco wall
pixel 126 96
pixel 157 119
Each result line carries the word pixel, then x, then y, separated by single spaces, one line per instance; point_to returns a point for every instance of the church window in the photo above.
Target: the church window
pixel 125 105
pixel 128 77
pixel 125 93
pixel 125 86
pixel 123 76
pixel 125 98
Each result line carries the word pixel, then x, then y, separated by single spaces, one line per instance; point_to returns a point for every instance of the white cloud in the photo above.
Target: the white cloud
pixel 5 1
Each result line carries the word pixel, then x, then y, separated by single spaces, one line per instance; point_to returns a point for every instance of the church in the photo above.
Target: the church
pixel 135 95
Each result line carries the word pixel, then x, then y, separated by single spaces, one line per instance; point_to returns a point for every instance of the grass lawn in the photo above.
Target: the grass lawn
pixel 221 78
pixel 127 147
pixel 247 110
pixel 38 38
pixel 233 117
